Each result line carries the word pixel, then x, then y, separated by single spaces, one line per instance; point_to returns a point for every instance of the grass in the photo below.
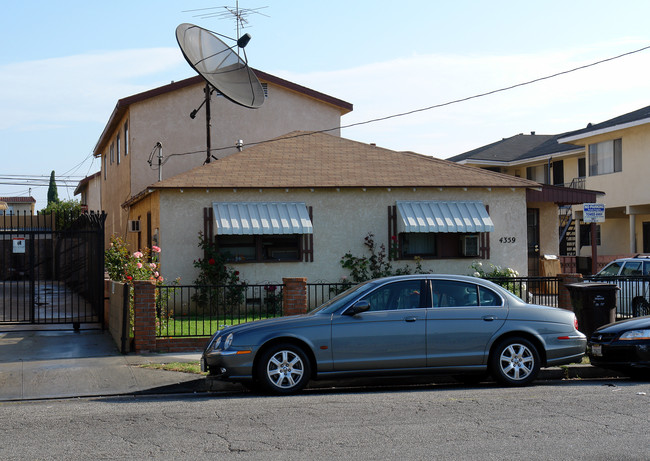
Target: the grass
pixel 201 326
pixel 183 367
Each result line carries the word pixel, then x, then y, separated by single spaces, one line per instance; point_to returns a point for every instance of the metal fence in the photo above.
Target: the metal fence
pixel 188 310
pixel 632 294
pixel 196 310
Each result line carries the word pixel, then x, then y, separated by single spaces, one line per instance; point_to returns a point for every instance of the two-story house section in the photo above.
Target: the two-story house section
pixel 618 163
pixel 169 123
pixel 561 170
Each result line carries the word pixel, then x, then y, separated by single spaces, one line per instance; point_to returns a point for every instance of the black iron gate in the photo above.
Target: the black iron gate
pixel 52 268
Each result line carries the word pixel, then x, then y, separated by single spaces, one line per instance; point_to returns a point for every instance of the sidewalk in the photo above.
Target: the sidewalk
pixel 64 364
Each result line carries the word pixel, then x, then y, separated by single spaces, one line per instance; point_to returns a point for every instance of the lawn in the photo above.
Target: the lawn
pixel 200 326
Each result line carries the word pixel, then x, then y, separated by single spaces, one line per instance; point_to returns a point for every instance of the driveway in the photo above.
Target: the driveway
pixel 60 363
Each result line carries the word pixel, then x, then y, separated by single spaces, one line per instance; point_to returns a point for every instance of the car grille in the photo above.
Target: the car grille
pixel 599 338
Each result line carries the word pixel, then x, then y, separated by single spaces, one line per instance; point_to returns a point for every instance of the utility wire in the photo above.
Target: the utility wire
pixel 435 106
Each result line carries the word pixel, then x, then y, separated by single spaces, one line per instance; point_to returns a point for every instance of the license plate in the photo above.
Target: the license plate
pixel 597 350
pixel 204 367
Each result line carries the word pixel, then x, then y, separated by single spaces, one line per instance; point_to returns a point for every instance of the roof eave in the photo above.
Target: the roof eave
pixel 610 129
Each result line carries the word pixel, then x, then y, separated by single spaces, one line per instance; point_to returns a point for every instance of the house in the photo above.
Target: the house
pixel 17 205
pixel 561 169
pixel 159 134
pixel 90 190
pixel 617 155
pixel 292 207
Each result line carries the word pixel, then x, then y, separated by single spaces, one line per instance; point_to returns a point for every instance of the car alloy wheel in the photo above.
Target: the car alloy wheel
pixel 284 369
pixel 515 362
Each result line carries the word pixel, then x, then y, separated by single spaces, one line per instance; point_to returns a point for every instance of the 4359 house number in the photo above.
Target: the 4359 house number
pixel 507 239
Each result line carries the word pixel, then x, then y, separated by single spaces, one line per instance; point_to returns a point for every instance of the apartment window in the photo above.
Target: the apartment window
pixel 126 138
pixel 582 168
pixel 605 157
pixel 105 166
pixel 117 146
pixel 112 152
pixel 538 173
pixel 585 234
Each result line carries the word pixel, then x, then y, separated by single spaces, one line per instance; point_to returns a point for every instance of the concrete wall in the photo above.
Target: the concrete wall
pixel 342 218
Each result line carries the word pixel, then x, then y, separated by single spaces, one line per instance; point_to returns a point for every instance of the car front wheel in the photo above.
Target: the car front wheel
pixel 515 362
pixel 283 369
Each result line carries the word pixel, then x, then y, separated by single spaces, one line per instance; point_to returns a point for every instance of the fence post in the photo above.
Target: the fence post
pixel 294 296
pixel 563 295
pixel 144 316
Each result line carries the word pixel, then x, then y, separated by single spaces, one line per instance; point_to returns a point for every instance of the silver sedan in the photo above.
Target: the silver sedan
pixel 400 325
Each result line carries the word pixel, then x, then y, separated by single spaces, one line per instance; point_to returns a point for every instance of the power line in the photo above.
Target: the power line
pixel 435 106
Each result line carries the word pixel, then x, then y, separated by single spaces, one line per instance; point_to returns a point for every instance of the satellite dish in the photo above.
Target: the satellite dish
pixel 220 66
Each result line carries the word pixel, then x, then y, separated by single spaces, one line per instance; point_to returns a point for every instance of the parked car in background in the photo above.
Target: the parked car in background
pixel 400 325
pixel 632 276
pixel 623 346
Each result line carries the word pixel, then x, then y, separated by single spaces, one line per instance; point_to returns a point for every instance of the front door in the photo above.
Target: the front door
pixel 389 335
pixel 533 241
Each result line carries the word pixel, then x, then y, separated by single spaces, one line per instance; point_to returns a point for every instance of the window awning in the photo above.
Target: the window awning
pixel 257 218
pixel 439 216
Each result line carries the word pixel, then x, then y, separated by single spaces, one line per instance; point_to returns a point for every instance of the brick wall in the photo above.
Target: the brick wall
pixel 294 296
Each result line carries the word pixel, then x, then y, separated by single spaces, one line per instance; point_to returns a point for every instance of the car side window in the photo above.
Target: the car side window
pixel 632 268
pixel 451 293
pixel 646 268
pixel 399 295
pixel 488 297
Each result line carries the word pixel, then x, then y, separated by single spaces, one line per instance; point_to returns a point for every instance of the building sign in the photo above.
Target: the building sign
pixel 19 245
pixel 593 212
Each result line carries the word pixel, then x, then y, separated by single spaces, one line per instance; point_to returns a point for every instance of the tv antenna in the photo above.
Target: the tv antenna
pixel 222 68
pixel 227 12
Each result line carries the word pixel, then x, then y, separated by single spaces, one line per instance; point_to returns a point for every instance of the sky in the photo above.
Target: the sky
pixel 64 65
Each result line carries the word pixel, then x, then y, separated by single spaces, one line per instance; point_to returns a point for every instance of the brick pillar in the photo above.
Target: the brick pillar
pixel 294 296
pixel 563 295
pixel 144 312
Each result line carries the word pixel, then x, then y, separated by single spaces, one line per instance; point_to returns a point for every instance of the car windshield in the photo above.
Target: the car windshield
pixel 611 270
pixel 342 299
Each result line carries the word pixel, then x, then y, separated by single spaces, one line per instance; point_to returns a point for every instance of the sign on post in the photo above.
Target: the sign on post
pixel 593 212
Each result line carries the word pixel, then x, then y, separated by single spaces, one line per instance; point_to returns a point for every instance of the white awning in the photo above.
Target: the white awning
pixel 256 218
pixel 438 216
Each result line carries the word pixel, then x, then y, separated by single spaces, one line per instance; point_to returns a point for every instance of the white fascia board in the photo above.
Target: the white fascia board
pixel 610 129
pixel 546 157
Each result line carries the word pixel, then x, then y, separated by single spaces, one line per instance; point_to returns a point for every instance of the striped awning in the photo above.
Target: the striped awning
pixel 439 216
pixel 257 218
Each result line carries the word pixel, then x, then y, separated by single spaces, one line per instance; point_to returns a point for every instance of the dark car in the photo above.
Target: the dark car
pixel 623 346
pixel 400 326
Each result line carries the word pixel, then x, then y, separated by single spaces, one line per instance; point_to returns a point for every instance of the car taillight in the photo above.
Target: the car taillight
pixel 575 322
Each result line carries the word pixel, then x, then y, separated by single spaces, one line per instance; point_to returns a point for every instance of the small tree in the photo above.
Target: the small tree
pixel 65 211
pixel 52 194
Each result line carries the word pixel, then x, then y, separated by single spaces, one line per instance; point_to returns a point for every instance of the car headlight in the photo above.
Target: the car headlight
pixel 217 343
pixel 227 342
pixel 634 335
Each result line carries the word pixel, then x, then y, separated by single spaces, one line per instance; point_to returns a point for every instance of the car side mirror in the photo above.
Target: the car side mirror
pixel 358 307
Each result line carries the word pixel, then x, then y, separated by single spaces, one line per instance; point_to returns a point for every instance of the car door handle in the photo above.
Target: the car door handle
pixel 410 319
pixel 489 318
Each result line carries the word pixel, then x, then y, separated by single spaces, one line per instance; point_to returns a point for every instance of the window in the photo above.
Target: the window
pixel 105 166
pixel 538 173
pixel 112 152
pixel 126 138
pixel 117 144
pixel 450 293
pixel 582 168
pixel 632 268
pixel 585 234
pixel 260 248
pixel 438 245
pixel 605 157
pixel 398 295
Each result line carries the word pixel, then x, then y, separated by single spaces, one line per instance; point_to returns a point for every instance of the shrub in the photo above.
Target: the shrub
pixel 217 283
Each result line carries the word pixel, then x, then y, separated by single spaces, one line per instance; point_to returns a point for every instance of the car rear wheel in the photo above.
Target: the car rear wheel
pixel 515 362
pixel 283 369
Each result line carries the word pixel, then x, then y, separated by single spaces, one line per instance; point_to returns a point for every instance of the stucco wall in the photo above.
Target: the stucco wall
pixel 341 221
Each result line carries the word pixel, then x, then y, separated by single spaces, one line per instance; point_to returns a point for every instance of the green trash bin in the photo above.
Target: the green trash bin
pixel 594 304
